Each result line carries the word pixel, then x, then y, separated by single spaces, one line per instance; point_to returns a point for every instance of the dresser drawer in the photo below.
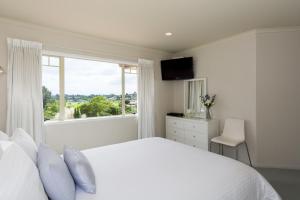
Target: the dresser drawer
pixel 175 131
pixel 203 146
pixel 176 138
pixel 197 144
pixel 174 123
pixel 192 132
pixel 190 135
pixel 196 127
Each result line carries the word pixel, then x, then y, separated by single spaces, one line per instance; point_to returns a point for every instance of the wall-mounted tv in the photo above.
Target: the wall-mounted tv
pixel 177 69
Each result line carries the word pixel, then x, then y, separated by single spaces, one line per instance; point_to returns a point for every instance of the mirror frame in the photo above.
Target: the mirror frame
pixel 204 79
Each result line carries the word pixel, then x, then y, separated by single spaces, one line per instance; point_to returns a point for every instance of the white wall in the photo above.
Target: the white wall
pixel 95 132
pixel 230 67
pixel 71 43
pixel 256 77
pixel 278 98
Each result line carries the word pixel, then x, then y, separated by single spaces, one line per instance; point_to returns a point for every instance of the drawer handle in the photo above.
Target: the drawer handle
pixel 194 136
pixel 194 145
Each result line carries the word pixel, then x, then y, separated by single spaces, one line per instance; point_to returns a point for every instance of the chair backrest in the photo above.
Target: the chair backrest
pixel 234 129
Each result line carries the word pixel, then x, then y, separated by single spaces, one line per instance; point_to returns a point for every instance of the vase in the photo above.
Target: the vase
pixel 207 114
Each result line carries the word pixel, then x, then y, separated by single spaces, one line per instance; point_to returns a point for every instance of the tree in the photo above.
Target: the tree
pixel 77 113
pixel 130 109
pixel 47 96
pixel 50 110
pixel 50 104
pixel 127 101
pixel 100 106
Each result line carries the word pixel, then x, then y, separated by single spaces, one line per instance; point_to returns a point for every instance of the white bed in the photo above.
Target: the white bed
pixel 159 169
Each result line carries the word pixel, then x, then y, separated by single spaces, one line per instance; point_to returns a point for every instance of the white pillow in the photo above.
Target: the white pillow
pixel 3 136
pixel 20 178
pixel 25 141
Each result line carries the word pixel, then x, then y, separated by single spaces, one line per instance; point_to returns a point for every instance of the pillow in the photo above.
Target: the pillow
pixel 3 136
pixel 20 178
pixel 25 141
pixel 55 175
pixel 80 169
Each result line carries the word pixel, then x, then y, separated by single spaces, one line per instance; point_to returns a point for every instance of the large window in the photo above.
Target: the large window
pixel 79 88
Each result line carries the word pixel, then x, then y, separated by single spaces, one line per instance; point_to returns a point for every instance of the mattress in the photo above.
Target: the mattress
pixel 160 169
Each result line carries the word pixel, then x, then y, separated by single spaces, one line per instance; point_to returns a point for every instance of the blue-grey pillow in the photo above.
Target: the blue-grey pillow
pixel 56 178
pixel 81 170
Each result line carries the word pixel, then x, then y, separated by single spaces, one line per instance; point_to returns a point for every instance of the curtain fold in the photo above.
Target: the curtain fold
pixel 146 126
pixel 24 82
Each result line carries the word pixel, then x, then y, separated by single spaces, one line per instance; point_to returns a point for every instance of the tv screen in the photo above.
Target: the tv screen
pixel 177 69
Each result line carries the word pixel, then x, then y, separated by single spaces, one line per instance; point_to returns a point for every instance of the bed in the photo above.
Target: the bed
pixel 156 168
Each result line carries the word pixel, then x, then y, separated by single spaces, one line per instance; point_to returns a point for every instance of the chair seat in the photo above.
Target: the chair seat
pixel 226 141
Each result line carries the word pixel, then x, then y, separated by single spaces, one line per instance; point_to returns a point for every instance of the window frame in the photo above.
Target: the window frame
pixel 61 57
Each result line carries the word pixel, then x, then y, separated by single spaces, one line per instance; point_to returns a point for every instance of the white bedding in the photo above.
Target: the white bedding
pixel 159 169
pixel 19 177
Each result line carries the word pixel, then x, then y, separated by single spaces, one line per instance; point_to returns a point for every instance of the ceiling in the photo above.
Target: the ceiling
pixel 144 22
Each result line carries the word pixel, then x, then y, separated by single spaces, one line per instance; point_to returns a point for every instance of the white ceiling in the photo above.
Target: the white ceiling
pixel 144 22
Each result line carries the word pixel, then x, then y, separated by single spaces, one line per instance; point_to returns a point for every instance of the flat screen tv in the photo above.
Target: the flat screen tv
pixel 177 69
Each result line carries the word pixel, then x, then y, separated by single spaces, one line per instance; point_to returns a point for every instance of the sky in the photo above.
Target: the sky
pixel 87 77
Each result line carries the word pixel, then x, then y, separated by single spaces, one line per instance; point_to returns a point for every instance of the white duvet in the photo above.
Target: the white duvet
pixel 159 169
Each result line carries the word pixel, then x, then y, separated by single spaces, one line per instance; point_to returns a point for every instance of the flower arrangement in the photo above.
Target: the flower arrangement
pixel 208 102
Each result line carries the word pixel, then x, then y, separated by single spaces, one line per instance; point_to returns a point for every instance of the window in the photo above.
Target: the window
pixel 130 99
pixel 50 82
pixel 79 88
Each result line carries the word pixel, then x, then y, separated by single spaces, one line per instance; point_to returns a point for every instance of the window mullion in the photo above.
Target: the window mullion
pixel 62 88
pixel 123 90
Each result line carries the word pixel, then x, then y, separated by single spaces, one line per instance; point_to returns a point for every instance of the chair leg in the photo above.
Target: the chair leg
pixel 248 154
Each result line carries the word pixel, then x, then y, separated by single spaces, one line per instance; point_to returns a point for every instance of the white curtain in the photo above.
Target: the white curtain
pixel 24 82
pixel 146 126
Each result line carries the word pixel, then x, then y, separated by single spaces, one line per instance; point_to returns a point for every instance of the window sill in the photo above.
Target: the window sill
pixel 90 119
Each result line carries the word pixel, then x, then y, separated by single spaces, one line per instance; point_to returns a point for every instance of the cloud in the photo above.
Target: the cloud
pixel 88 77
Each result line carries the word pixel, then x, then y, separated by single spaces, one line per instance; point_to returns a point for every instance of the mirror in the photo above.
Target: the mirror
pixel 193 89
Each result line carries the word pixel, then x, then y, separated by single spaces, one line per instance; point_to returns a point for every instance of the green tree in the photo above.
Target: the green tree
pixel 51 109
pixel 47 96
pixel 77 113
pixel 100 106
pixel 130 109
pixel 50 104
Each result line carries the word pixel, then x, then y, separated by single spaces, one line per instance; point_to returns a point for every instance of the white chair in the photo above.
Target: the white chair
pixel 233 136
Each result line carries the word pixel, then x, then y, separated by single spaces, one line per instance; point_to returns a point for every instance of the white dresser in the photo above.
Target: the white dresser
pixel 191 131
